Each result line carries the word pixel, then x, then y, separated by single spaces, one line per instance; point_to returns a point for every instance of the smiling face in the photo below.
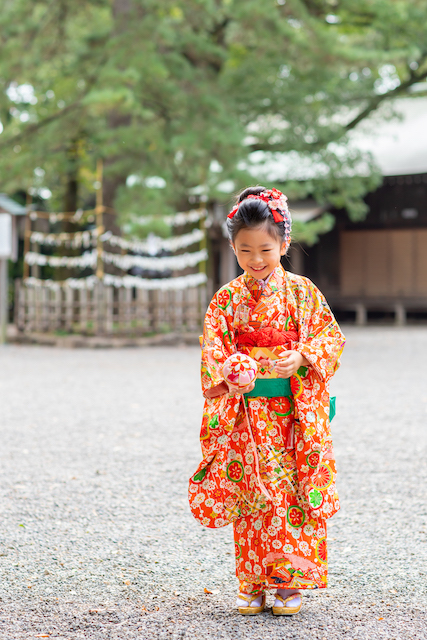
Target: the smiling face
pixel 257 252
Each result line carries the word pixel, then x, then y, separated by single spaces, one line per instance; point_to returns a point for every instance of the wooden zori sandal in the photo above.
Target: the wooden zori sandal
pixel 284 610
pixel 251 611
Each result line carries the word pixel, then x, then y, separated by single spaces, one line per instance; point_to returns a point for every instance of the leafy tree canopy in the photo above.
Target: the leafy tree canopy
pixel 176 95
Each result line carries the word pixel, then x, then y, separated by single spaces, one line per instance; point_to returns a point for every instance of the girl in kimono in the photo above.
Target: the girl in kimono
pixel 268 464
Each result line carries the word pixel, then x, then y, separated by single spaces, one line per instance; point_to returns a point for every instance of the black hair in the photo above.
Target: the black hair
pixel 254 213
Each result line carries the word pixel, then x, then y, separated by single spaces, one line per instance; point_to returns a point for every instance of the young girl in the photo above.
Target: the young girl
pixel 268 465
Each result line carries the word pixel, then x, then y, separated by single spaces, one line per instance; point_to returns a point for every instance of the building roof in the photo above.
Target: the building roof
pixel 399 145
pixel 7 205
pixel 395 135
pixel 305 210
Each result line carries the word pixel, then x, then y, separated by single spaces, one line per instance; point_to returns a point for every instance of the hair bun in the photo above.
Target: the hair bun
pixel 250 191
pixel 258 205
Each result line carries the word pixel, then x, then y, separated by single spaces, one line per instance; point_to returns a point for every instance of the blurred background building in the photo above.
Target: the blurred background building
pixel 375 268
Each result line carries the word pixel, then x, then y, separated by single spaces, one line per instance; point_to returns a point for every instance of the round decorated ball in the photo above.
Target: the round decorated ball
pixel 239 370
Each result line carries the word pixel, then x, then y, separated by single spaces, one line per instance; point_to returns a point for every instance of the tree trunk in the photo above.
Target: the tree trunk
pixel 71 203
pixel 122 11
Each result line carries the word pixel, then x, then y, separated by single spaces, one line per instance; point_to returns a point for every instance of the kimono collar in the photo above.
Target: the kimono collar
pixel 268 286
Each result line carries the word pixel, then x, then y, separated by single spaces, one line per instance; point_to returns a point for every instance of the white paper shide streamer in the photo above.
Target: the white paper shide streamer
pixel 166 263
pixel 87 259
pixel 176 220
pixel 153 246
pixel 162 284
pixel 75 240
pixel 126 262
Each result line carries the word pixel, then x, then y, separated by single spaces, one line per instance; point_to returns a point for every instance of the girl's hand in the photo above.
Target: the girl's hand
pixel 233 390
pixel 289 364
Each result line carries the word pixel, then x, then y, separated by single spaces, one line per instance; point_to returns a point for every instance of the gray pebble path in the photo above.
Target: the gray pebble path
pixel 97 541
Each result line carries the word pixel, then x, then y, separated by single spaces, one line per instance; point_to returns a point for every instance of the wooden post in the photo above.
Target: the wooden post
pixel 400 314
pixel 83 303
pixel 37 293
pixel 185 309
pixel 31 305
pixel 69 308
pixel 17 309
pixel 27 235
pixel 202 305
pixel 45 308
pixel 143 310
pixel 361 314
pixel 56 309
pixel 36 269
pixel 155 308
pixel 96 307
pixel 170 309
pixel 4 298
pixel 109 309
pixel 203 245
pixel 99 210
pixel 178 310
pixel 130 312
pixel 91 310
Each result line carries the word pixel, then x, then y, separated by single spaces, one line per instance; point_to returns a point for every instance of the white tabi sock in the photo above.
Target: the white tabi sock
pixel 255 603
pixel 285 593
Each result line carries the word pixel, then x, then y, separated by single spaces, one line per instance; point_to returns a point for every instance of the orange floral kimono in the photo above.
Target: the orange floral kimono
pixel 279 493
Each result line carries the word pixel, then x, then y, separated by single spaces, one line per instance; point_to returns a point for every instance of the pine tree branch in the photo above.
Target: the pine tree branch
pixel 33 128
pixel 377 100
pixel 374 103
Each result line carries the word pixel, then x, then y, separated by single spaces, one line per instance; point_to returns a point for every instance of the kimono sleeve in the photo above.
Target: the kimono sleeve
pixel 320 338
pixel 217 345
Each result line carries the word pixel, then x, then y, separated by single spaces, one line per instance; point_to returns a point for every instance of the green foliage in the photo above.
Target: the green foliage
pixel 187 90
pixel 308 232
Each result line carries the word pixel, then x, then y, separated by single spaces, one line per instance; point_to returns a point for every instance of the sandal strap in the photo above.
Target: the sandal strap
pixel 288 598
pixel 250 597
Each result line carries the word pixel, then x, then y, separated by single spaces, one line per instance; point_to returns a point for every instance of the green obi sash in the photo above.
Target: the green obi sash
pixel 271 388
pixel 280 388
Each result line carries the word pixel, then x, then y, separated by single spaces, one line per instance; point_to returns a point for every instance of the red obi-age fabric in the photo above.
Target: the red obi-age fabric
pixel 267 337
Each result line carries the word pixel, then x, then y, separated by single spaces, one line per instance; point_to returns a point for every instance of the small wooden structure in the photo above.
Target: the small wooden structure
pixel 16 212
pixel 10 211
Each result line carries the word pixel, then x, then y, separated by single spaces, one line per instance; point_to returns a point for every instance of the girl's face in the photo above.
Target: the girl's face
pixel 258 252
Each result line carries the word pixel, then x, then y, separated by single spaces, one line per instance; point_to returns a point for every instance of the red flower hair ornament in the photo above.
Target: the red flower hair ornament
pixel 276 201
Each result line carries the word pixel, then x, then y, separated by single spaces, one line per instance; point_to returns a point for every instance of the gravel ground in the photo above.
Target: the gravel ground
pixel 96 539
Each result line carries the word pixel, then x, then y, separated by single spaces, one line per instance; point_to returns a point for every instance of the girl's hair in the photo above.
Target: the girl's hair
pixel 254 213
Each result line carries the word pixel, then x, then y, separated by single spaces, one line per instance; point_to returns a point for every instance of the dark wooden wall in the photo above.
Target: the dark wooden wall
pixel 382 255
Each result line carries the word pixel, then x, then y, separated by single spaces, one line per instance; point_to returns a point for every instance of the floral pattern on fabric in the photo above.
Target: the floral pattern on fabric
pixel 280 549
pixel 280 540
